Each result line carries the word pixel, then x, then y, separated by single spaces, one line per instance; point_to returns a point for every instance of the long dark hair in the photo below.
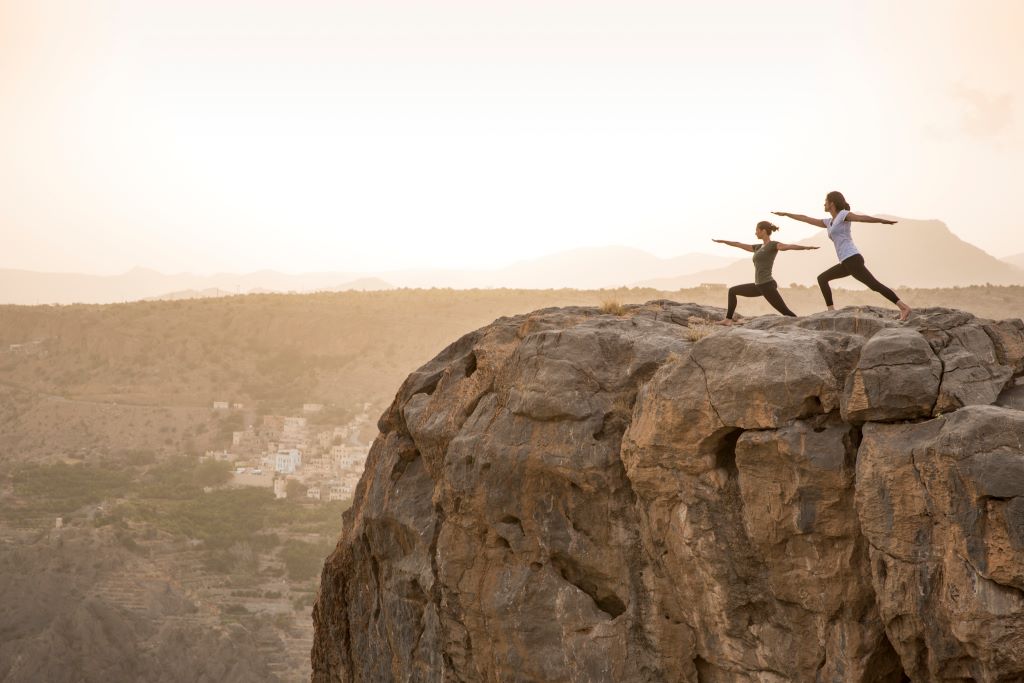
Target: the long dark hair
pixel 837 198
pixel 765 225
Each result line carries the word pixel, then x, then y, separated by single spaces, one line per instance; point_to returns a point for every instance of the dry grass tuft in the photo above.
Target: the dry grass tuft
pixel 613 307
pixel 698 328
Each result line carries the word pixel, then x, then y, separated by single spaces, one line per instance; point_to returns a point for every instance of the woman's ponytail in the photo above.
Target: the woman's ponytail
pixel 837 198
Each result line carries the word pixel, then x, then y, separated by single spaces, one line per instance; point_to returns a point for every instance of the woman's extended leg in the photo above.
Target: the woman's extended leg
pixel 855 264
pixel 834 273
pixel 749 289
pixel 770 291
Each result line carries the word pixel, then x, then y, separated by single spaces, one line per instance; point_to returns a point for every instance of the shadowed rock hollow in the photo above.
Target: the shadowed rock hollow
pixel 573 496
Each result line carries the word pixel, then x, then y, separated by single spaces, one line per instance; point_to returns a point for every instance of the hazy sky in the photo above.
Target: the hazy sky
pixel 213 136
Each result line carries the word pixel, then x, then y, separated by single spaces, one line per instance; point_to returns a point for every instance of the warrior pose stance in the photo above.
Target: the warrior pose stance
pixel 763 284
pixel 850 260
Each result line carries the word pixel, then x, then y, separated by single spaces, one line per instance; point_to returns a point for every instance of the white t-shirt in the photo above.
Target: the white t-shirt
pixel 839 233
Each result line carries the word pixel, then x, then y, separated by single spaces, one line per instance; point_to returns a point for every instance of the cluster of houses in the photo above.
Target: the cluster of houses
pixel 327 462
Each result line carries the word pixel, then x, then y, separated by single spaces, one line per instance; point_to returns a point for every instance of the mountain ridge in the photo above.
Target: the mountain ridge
pixel 583 268
pixel 891 252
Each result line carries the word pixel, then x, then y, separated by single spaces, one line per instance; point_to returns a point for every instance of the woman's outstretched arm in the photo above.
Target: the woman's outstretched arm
pixel 861 218
pixel 793 247
pixel 816 222
pixel 738 245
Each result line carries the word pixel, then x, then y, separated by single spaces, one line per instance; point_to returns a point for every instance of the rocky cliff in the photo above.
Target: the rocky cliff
pixel 574 496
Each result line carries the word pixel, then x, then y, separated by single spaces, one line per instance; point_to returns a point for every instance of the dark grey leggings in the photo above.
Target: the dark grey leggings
pixel 769 290
pixel 854 265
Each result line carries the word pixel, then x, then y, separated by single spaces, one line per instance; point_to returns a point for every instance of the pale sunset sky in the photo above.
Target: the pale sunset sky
pixel 215 135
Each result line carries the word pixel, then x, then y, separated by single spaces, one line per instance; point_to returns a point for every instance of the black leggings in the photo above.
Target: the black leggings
pixel 769 290
pixel 854 265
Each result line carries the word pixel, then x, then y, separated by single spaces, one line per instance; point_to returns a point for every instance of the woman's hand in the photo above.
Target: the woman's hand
pixel 738 245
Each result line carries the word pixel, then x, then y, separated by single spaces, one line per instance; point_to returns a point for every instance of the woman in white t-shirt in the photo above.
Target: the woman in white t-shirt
pixel 850 260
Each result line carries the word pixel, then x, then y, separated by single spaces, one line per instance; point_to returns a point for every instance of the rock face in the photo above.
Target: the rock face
pixel 573 496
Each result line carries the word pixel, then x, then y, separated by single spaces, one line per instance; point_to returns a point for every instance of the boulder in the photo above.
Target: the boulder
pixel 897 377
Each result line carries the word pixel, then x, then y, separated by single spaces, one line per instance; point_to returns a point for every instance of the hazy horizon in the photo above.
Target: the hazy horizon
pixel 367 138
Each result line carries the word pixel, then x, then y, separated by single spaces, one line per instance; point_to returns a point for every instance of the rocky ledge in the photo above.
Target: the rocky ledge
pixel 577 496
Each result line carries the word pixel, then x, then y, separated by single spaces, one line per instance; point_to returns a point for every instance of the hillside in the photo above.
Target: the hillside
pixel 122 567
pixel 912 253
pixel 80 606
pixel 145 374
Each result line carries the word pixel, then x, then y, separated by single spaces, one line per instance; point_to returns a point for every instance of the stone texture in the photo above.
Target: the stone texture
pixel 571 496
pixel 940 504
pixel 897 378
pixel 977 358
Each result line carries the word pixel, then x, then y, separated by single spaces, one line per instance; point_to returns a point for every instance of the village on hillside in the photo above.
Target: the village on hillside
pixel 290 455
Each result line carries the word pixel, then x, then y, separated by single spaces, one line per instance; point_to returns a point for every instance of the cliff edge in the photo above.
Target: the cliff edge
pixel 576 496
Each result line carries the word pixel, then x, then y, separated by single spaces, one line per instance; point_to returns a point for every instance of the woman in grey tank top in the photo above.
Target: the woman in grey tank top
pixel 764 257
pixel 851 263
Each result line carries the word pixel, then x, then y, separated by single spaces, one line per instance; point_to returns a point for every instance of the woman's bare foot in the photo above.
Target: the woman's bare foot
pixel 904 310
pixel 725 321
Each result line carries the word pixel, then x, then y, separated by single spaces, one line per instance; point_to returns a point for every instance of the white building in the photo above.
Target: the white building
pixel 28 348
pixel 280 488
pixel 312 407
pixel 338 492
pixel 218 456
pixel 293 432
pixel 350 482
pixel 313 492
pixel 318 465
pixel 349 456
pixel 220 405
pixel 287 461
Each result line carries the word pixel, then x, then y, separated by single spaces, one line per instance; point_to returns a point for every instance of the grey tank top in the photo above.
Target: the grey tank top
pixel 764 258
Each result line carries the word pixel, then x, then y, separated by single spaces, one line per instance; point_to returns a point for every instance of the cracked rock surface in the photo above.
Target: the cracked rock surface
pixel 576 496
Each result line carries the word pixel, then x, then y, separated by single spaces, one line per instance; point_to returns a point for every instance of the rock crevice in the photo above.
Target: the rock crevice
pixel 577 496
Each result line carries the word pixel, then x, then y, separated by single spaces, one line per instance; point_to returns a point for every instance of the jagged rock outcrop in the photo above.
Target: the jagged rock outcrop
pixel 575 496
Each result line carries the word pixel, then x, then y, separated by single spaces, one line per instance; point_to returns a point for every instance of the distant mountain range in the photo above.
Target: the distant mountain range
pixel 912 253
pixel 590 268
pixel 1015 260
pixel 361 285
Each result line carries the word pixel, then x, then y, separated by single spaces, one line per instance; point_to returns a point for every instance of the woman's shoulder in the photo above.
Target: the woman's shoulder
pixel 841 217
